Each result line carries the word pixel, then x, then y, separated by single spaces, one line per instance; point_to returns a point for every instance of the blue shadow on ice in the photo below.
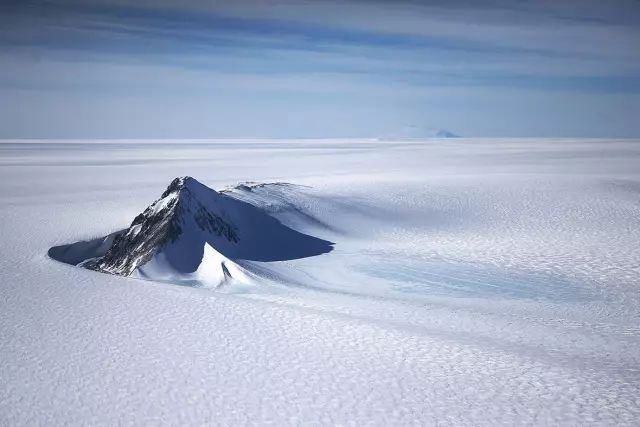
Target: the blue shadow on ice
pixel 468 280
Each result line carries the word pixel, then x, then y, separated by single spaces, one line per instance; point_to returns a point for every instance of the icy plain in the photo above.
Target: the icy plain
pixel 472 282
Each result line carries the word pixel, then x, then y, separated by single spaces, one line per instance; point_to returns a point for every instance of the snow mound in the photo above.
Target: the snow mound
pixel 193 235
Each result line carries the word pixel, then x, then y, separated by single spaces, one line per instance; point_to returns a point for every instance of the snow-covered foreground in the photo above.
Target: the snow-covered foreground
pixel 476 282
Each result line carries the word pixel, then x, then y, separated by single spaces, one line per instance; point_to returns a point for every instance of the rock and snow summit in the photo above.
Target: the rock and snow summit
pixel 193 234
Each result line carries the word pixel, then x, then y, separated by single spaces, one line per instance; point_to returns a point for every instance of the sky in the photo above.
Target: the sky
pixel 319 69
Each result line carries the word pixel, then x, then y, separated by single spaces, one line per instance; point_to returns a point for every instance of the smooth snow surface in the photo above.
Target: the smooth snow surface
pixel 472 282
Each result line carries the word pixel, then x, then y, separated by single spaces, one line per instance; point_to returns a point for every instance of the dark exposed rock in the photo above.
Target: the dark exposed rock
pixel 160 224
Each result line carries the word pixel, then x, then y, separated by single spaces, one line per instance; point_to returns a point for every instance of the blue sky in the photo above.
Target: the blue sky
pixel 300 68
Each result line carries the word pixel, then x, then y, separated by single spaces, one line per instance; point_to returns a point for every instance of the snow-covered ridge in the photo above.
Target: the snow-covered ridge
pixel 193 234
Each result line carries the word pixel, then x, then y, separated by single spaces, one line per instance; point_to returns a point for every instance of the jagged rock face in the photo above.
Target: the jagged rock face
pixel 163 223
pixel 196 234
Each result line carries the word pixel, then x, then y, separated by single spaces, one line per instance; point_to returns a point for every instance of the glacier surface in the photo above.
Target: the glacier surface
pixel 472 282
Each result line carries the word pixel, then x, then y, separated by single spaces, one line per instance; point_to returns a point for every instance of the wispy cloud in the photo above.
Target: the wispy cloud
pixel 316 53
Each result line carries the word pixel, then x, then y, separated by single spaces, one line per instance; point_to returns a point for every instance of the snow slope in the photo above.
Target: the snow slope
pixel 472 282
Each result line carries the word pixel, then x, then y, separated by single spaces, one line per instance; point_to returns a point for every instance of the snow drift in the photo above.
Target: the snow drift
pixel 193 234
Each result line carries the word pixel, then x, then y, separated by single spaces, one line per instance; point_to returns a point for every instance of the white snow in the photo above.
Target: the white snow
pixel 472 282
pixel 214 270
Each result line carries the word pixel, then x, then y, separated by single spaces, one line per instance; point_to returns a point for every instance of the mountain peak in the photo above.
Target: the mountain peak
pixel 186 208
pixel 443 133
pixel 194 234
pixel 176 185
pixel 419 132
pixel 187 183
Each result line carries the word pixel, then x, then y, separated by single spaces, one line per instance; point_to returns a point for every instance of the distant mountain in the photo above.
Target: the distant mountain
pixel 419 132
pixel 443 133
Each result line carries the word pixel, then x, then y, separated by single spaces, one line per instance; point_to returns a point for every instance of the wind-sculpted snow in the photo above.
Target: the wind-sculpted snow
pixel 472 282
